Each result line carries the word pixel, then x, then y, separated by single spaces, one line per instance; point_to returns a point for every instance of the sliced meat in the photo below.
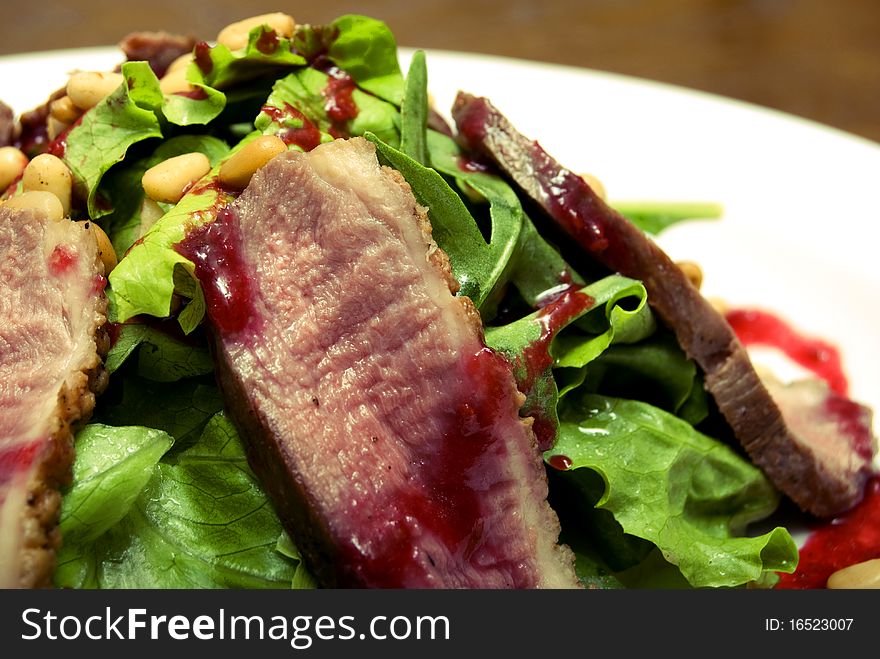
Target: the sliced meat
pixel 159 49
pixel 830 427
pixel 52 309
pixel 385 430
pixel 704 334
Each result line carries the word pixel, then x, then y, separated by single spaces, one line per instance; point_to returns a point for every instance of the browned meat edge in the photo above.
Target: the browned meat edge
pixel 41 536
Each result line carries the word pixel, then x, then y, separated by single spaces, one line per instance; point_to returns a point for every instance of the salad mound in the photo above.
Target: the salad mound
pixel 648 490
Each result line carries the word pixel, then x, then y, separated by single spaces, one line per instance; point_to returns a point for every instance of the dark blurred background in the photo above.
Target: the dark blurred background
pixel 816 58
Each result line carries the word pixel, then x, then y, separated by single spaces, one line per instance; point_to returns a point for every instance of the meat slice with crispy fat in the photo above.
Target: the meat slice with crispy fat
pixel 795 464
pixel 387 433
pixel 52 312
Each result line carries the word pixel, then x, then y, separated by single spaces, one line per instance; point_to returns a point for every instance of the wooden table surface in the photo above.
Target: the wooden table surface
pixel 819 59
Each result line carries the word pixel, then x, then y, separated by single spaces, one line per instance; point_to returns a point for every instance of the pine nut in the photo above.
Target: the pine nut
pixel 860 575
pixel 12 164
pixel 41 201
pixel 596 185
pixel 105 248
pixel 49 173
pixel 54 128
pixel 238 170
pixel 168 180
pixel 692 271
pixel 235 35
pixel 181 62
pixel 64 110
pixel 175 81
pixel 88 88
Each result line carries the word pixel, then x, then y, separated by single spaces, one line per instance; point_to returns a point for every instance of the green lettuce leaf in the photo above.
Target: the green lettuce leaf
pixel 180 408
pixel 162 357
pixel 690 495
pixel 200 521
pixel 266 54
pixel 604 320
pixel 113 466
pixel 122 186
pixel 106 132
pixel 144 281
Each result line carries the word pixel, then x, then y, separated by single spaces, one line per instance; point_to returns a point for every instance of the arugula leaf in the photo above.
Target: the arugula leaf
pixel 521 254
pixel 414 111
pixel 454 229
pixel 655 216
pixel 665 482
pixel 201 521
pixel 365 48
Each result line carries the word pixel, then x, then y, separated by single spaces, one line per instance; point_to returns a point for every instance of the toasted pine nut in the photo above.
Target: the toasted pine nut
pixel 238 170
pixel 181 62
pixel 235 35
pixel 88 88
pixel 596 185
pixel 54 127
pixel 693 272
pixel 12 164
pixel 168 180
pixel 860 575
pixel 105 248
pixel 49 173
pixel 175 81
pixel 64 110
pixel 39 200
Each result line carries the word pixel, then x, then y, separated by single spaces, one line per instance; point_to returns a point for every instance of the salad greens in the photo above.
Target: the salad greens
pixel 162 494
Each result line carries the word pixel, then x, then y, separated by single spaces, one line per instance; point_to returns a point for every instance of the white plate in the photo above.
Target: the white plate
pixel 802 224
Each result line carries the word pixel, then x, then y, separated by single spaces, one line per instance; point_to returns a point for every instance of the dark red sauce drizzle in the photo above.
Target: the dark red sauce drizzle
pixel 215 249
pixel 552 318
pixel 339 102
pixel 447 505
pixel 536 358
pixel 202 57
pixel 755 327
pixel 851 538
pixel 560 462
pixel 58 146
pixel 267 42
pixel 306 136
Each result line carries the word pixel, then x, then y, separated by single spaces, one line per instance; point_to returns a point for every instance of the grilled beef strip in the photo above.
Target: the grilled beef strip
pixel 794 462
pixel 52 313
pixel 386 432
